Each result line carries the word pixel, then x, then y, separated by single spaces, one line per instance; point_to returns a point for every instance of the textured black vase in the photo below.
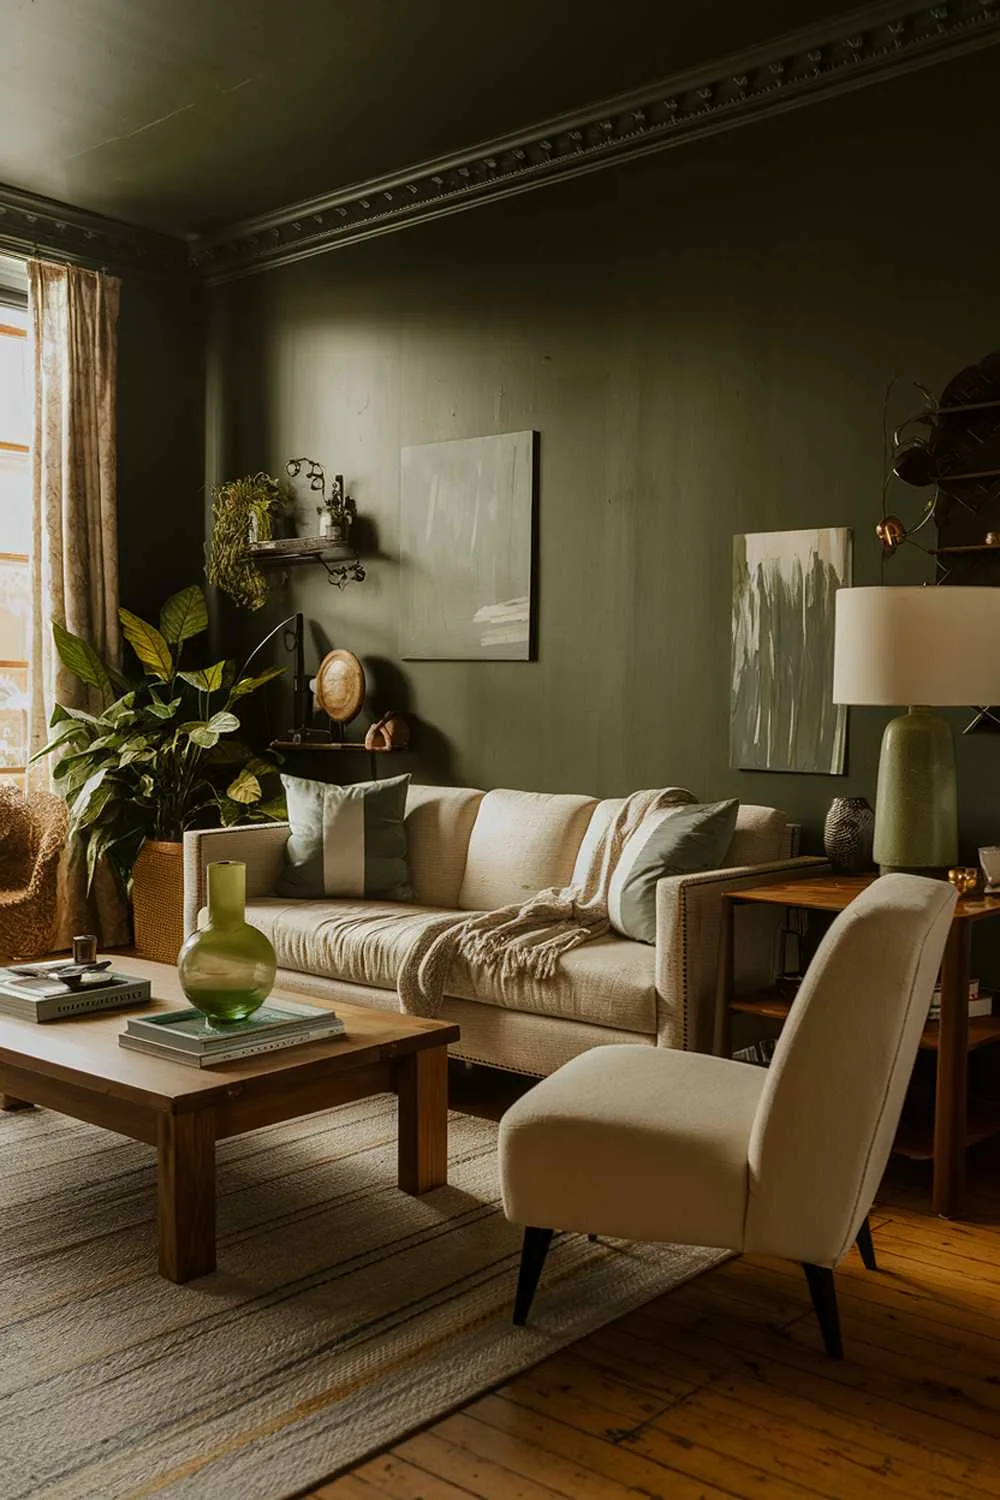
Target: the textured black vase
pixel 848 833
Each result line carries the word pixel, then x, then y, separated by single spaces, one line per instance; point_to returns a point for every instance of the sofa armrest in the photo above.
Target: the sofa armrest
pixel 688 936
pixel 261 846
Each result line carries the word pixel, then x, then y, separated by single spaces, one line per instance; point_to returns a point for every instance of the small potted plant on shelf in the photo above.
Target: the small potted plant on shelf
pixel 243 512
pixel 336 509
pixel 161 757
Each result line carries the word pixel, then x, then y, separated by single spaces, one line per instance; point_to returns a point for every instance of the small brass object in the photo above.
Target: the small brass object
pixel 964 878
pixel 993 539
pixel 891 533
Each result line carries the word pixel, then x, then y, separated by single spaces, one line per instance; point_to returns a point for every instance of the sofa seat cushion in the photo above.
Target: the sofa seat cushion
pixel 609 982
pixel 364 942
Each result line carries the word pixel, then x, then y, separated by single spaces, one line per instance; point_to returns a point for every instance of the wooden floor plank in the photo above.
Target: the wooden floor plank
pixel 401 1479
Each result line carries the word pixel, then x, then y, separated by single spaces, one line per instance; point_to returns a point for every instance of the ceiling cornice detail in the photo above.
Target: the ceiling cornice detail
pixel 863 47
pixel 40 227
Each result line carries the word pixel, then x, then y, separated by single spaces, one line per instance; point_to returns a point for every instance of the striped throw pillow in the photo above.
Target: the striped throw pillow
pixel 673 841
pixel 346 840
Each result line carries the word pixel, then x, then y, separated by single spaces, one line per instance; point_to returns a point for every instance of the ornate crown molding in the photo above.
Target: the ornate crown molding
pixel 35 226
pixel 862 47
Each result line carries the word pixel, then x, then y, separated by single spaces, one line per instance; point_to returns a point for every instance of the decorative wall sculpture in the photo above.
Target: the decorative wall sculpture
pixel 782 714
pixel 466 524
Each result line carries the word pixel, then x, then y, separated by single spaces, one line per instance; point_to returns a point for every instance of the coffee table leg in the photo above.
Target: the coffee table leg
pixel 186 1192
pixel 422 1087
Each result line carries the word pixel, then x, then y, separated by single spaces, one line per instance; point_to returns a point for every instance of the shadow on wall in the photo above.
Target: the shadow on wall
pixel 429 758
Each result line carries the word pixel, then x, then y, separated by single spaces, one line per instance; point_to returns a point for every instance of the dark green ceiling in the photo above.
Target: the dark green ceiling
pixel 185 115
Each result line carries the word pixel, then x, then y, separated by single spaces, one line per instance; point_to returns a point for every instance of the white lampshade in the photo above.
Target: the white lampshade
pixel 929 646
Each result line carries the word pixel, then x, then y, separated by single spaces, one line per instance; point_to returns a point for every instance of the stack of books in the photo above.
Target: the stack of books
pixel 980 1001
pixel 188 1037
pixel 41 996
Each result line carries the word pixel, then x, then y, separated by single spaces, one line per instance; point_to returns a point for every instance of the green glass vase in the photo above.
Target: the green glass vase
pixel 227 967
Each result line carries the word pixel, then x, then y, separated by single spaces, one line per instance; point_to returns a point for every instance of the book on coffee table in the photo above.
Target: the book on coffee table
pixel 42 996
pixel 187 1036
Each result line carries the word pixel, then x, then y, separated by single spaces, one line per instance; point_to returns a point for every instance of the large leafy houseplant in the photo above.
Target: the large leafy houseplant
pixel 161 756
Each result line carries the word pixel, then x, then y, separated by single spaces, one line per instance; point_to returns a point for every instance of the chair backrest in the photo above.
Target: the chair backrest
pixel 834 1093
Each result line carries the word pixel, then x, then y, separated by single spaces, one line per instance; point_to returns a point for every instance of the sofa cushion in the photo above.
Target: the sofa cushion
pixel 604 813
pixel 522 843
pixel 672 841
pixel 361 941
pixel 346 840
pixel 609 982
pixel 439 822
pixel 762 835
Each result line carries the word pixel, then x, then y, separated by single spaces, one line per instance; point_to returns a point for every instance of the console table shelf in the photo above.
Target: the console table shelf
pixel 774 1006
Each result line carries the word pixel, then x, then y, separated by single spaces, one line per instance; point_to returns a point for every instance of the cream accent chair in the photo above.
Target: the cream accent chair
pixel 696 1150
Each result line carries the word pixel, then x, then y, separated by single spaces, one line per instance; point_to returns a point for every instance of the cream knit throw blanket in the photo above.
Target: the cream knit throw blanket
pixel 529 938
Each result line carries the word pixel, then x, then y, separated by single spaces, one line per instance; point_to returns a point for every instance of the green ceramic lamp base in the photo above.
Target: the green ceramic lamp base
pixel 916 808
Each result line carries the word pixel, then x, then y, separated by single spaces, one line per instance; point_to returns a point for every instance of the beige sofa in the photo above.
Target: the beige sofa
pixel 474 851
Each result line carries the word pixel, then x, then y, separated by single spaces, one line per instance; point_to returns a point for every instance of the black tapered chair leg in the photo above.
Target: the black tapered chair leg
pixel 824 1301
pixel 534 1249
pixel 866 1246
pixel 592 1238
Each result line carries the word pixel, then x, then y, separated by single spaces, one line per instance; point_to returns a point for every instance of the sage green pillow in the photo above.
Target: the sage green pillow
pixel 346 840
pixel 675 841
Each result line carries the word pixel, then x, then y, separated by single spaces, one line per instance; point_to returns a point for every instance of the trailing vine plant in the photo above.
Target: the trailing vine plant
pixel 243 511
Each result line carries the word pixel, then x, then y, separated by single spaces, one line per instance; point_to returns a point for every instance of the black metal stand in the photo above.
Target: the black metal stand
pixel 824 1301
pixel 534 1249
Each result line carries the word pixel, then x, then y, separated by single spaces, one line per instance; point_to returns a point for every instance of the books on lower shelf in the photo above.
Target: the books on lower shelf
pixel 188 1037
pixel 43 997
pixel 980 1001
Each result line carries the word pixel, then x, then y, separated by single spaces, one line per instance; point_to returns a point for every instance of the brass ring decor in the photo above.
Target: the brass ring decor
pixel 340 686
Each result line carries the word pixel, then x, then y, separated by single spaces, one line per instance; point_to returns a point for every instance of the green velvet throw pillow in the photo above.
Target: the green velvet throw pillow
pixel 346 840
pixel 676 841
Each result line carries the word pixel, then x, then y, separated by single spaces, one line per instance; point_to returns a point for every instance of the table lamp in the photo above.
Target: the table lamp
pixel 917 648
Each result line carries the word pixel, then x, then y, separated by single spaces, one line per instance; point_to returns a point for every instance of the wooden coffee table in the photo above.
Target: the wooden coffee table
pixel 77 1068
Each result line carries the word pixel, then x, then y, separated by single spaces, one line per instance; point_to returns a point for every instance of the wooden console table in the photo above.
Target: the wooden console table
pixel 952 1038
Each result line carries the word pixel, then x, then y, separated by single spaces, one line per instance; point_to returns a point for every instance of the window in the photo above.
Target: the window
pixel 15 530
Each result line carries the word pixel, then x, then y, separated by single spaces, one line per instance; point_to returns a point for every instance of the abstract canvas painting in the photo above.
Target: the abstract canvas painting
pixel 466 528
pixel 782 716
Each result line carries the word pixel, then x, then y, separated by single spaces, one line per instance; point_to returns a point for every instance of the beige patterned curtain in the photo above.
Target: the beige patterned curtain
pixel 74 536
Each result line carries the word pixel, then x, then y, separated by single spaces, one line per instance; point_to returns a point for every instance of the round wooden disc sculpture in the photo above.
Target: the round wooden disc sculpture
pixel 340 686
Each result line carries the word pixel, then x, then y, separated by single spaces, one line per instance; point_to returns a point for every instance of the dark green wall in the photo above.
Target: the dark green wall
pixel 161 437
pixel 702 339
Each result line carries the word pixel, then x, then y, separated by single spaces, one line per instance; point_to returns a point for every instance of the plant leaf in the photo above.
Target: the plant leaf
pixel 184 615
pixel 148 645
pixel 91 787
pixel 223 723
pixel 251 684
pixel 80 658
pixel 206 679
pixel 163 710
pixel 204 736
pixel 79 716
pixel 276 809
pixel 71 733
pixel 245 789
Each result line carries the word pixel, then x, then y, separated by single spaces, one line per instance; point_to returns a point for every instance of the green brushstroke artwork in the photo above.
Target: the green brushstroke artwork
pixel 782 714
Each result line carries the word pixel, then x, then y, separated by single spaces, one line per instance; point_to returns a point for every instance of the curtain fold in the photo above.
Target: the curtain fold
pixel 74 531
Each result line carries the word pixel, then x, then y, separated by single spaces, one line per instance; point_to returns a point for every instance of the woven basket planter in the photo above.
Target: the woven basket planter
pixel 158 901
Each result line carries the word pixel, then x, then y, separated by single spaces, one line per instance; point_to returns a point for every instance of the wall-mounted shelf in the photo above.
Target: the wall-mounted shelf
pixel 342 564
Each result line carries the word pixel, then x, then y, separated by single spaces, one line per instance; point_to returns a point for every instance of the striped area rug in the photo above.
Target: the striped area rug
pixel 344 1313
